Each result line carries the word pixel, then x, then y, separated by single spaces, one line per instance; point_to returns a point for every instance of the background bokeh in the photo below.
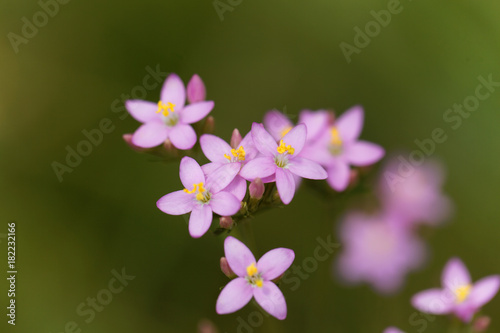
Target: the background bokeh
pixel 262 55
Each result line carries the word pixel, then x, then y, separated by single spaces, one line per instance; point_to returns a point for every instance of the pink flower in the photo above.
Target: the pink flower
pixel 201 197
pixel 281 161
pixel 458 295
pixel 196 91
pixel 339 147
pixel 393 329
pixel 413 194
pixel 377 252
pixel 222 156
pixel 169 118
pixel 254 279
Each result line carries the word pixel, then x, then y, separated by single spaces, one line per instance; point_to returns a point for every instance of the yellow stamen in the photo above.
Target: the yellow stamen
pixel 252 270
pixel 165 107
pixel 238 153
pixel 259 283
pixel 462 293
pixel 336 140
pixel 285 131
pixel 196 187
pixel 284 148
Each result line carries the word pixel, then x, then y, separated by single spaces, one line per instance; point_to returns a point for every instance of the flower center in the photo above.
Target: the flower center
pixel 167 111
pixel 462 293
pixel 203 195
pixel 253 277
pixel 335 142
pixel 283 148
pixel 238 155
pixel 286 130
pixel 281 160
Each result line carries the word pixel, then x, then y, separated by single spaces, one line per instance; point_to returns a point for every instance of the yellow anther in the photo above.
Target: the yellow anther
pixel 282 148
pixel 199 196
pixel 462 293
pixel 238 153
pixel 196 187
pixel 252 270
pixel 286 130
pixel 336 140
pixel 259 283
pixel 165 107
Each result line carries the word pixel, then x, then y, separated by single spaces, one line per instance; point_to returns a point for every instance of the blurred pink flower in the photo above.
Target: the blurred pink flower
pixel 377 252
pixel 393 329
pixel 254 279
pixel 458 295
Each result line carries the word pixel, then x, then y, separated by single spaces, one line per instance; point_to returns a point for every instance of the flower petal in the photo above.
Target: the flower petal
pixel 350 123
pixel 173 91
pixel 275 262
pixel 263 141
pixel 225 204
pixel 239 257
pixel 200 220
pixel 316 122
pixel 176 203
pixel 150 135
pixel 214 148
pixel 338 176
pixel 196 91
pixel 259 167
pixel 249 146
pixel 142 111
pixel 190 173
pixel 275 123
pixel 307 169
pixel 182 136
pixel 238 187
pixel 363 153
pixel 285 184
pixel 484 290
pixel 296 138
pixel 196 112
pixel 222 176
pixel 455 275
pixel 235 295
pixel 392 329
pixel 434 301
pixel 271 299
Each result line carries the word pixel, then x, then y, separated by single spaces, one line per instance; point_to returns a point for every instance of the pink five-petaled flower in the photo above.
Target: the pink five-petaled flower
pixel 281 160
pixel 339 147
pixel 254 279
pixel 459 295
pixel 169 118
pixel 222 156
pixel 201 197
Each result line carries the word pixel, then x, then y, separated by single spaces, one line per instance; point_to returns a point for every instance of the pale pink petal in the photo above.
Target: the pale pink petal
pixel 235 295
pixel 285 185
pixel 195 112
pixel 224 204
pixel 222 176
pixel 455 275
pixel 173 91
pixel 196 91
pixel 142 111
pixel 263 141
pixel 434 301
pixel 214 148
pixel 296 138
pixel 238 187
pixel 182 136
pixel 176 203
pixel 392 330
pixel 190 173
pixel 275 123
pixel 363 153
pixel 200 220
pixel 350 124
pixel 150 135
pixel 317 122
pixel 275 262
pixel 238 256
pixel 338 176
pixel 484 290
pixel 260 167
pixel 249 146
pixel 307 169
pixel 210 167
pixel 271 299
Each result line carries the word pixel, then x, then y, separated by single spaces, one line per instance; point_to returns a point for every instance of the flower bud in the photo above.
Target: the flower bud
pixel 206 326
pixel 481 324
pixel 209 125
pixel 256 188
pixel 235 139
pixel 224 267
pixel 196 91
pixel 226 222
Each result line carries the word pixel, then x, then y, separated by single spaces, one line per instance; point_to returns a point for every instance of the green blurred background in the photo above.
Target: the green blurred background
pixel 262 55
